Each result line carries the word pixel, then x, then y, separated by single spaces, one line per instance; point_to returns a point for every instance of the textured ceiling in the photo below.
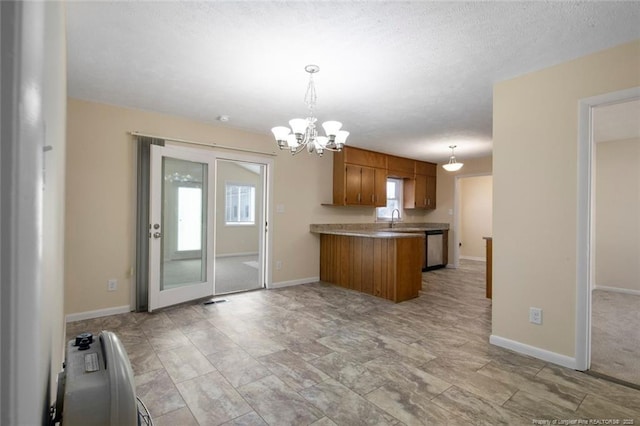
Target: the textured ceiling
pixel 408 78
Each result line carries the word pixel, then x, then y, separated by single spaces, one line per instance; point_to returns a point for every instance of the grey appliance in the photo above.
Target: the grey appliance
pixel 434 258
pixel 96 386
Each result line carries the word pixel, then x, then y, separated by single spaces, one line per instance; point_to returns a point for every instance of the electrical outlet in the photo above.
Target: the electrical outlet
pixel 112 285
pixel 278 264
pixel 535 316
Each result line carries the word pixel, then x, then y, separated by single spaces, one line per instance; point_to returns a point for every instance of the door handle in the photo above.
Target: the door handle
pixel 157 235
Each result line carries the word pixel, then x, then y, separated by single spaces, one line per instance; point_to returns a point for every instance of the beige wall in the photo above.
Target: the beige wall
pixel 476 211
pixel 100 199
pixel 234 239
pixel 445 194
pixel 618 214
pixel 535 133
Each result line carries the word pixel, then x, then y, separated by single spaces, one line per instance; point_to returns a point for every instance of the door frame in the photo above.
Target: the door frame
pixel 267 240
pixel 585 236
pixel 457 219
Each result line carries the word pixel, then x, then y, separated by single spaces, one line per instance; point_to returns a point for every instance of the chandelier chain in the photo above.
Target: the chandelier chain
pixel 310 98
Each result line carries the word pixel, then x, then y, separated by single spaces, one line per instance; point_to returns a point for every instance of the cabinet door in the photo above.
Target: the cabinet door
pixel 367 187
pixel 431 192
pixel 421 192
pixel 352 184
pixel 380 188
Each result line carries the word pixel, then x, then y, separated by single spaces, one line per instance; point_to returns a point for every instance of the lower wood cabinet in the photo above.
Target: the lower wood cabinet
pixel 390 268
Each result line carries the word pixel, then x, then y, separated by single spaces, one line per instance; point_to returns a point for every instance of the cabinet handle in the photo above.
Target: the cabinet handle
pixel 372 199
pixel 429 203
pixel 359 197
pixel 425 202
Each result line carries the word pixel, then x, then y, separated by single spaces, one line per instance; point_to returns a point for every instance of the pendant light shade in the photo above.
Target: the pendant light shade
pixel 452 165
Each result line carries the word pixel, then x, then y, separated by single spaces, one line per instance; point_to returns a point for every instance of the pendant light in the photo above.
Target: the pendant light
pixel 452 165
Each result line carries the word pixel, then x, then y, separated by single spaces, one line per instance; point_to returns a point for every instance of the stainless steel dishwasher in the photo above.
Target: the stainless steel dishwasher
pixel 433 251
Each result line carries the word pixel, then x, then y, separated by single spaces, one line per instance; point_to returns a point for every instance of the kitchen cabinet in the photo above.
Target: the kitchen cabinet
pixel 399 167
pixel 420 191
pixel 387 267
pixel 359 178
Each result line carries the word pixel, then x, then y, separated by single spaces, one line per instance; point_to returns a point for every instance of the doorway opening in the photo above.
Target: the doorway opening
pixel 240 226
pixel 587 220
pixel 473 215
pixel 615 296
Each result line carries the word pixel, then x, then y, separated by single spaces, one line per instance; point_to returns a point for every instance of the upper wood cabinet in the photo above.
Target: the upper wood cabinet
pixel 420 192
pixel 359 178
pixel 399 167
pixel 426 169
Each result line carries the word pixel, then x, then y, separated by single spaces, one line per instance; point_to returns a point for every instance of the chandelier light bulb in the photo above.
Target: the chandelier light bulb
pixel 331 128
pixel 292 141
pixel 298 125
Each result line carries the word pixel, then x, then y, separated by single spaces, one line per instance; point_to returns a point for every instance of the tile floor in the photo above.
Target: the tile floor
pixel 615 335
pixel 318 354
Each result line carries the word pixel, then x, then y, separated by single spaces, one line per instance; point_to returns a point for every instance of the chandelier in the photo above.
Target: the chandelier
pixel 452 165
pixel 303 132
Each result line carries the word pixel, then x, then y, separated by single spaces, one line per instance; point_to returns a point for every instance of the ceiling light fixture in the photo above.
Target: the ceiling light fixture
pixel 452 165
pixel 303 132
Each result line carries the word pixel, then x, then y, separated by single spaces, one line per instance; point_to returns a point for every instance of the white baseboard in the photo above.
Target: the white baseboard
pixel 617 290
pixel 98 313
pixel 533 351
pixel 479 259
pixel 451 266
pixel 295 282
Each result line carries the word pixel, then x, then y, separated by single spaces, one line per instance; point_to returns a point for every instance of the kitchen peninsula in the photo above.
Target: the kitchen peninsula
pixel 375 258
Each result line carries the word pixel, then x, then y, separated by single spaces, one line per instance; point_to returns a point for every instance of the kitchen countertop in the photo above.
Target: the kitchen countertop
pixel 378 230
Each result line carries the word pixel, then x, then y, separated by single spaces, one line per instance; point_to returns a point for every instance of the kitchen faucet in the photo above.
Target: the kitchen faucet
pixel 394 210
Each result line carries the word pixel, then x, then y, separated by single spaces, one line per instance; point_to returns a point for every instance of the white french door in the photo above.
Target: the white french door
pixel 181 242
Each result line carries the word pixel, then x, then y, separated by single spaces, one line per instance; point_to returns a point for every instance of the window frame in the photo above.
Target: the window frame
pixel 252 205
pixel 399 183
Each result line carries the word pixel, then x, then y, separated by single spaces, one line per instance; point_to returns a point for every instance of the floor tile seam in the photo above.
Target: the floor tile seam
pixel 469 389
pixel 519 377
pixel 244 414
pixel 490 403
pixel 634 413
pixel 334 420
pixel 383 409
pixel 237 391
pixel 180 408
pixel 190 378
pixel 462 414
pixel 286 367
pixel 298 393
pixel 534 390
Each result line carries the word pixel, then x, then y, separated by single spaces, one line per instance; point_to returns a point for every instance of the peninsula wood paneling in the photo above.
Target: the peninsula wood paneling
pixel 384 267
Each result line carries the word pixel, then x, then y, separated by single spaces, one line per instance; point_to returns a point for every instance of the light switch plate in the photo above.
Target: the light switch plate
pixel 112 285
pixel 535 315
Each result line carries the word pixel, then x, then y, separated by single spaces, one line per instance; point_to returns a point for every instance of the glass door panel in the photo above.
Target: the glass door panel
pixel 181 234
pixel 184 213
